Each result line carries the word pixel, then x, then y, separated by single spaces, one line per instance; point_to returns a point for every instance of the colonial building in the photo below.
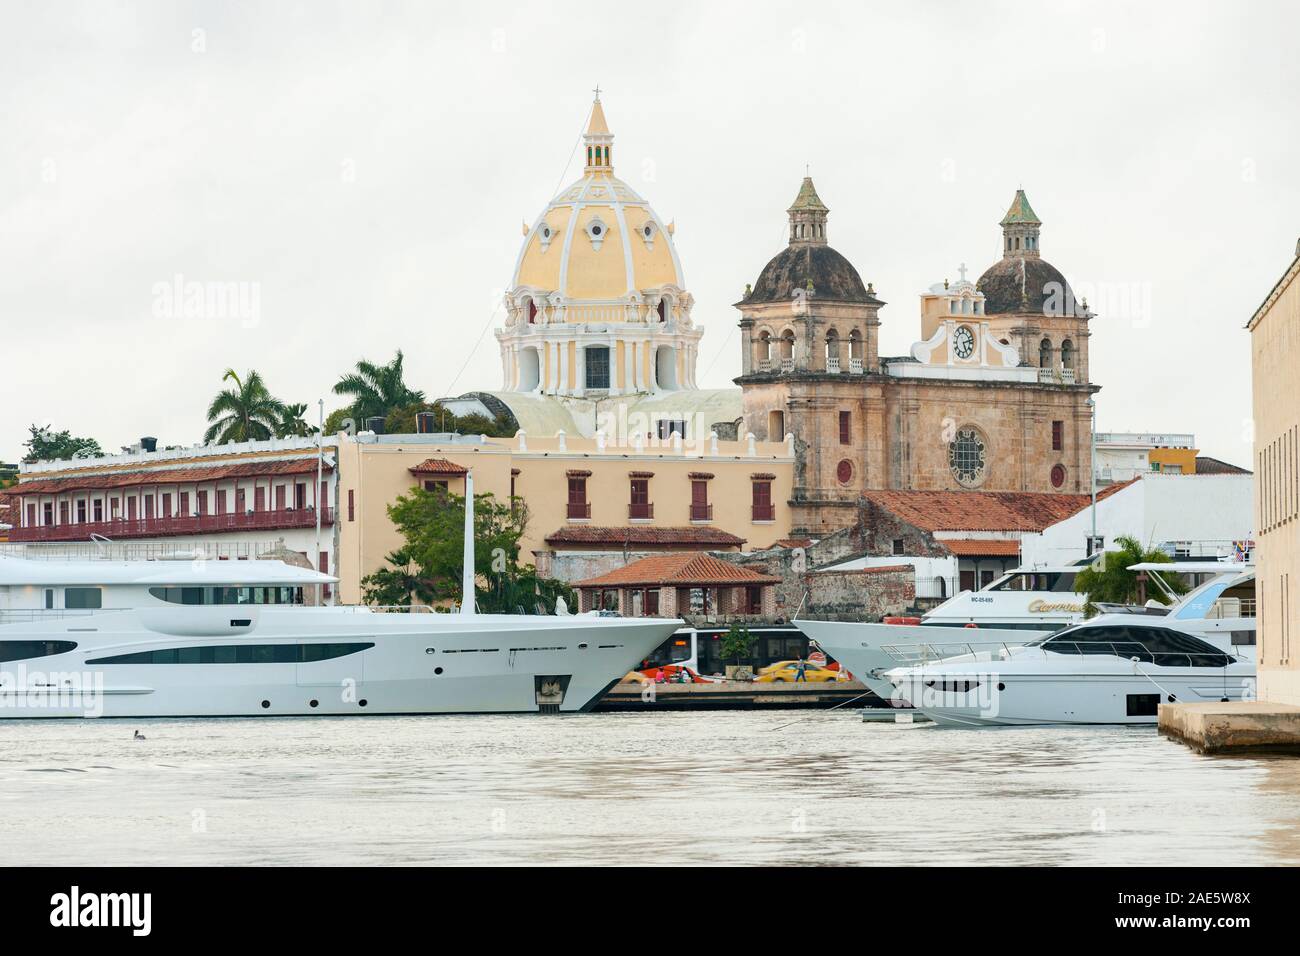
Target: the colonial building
pixel 1275 351
pixel 592 506
pixel 993 397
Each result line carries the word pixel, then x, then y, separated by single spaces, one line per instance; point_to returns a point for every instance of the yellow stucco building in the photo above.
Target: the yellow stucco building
pixel 587 499
pixel 1275 350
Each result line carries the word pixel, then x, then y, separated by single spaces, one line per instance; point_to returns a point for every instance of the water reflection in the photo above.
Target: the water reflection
pixel 631 788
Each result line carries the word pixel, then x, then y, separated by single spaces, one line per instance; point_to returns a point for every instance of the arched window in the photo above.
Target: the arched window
pixel 1067 354
pixel 832 345
pixel 855 344
pixel 1045 353
pixel 663 310
pixel 787 344
pixel 764 346
pixel 532 312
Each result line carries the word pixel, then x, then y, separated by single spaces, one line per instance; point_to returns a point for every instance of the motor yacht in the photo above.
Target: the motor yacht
pixel 1113 669
pixel 206 638
pixel 1019 606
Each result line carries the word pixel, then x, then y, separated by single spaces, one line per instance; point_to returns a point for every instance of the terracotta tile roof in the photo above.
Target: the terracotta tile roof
pixel 794 542
pixel 976 548
pixel 643 535
pixel 438 466
pixel 690 568
pixel 1205 465
pixel 984 510
pixel 168 476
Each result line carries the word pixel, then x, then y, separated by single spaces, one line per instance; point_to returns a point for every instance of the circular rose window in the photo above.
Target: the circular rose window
pixel 1058 476
pixel 844 471
pixel 966 456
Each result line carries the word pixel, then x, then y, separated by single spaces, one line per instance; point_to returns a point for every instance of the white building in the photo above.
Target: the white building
pixel 1188 515
pixel 1122 456
pixel 234 501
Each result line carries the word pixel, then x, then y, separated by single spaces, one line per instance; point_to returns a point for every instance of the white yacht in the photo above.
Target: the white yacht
pixel 1114 669
pixel 1019 606
pixel 182 638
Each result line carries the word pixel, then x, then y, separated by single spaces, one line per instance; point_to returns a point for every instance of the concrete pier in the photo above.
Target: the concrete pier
pixel 1234 727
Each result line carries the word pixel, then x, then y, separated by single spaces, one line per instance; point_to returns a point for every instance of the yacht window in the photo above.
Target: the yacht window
pixel 234 654
pixel 24 650
pixel 83 598
pixel 228 595
pixel 1152 645
pixel 1056 581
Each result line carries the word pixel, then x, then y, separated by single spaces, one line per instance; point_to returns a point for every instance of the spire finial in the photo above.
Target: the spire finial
pixel 962 272
pixel 597 92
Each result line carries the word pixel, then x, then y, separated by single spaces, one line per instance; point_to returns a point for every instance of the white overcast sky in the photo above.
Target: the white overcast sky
pixel 368 164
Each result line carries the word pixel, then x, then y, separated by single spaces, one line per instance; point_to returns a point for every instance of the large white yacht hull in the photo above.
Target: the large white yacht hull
pixel 418 664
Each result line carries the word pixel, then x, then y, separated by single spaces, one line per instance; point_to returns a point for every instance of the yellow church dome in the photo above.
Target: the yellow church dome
pixel 598 245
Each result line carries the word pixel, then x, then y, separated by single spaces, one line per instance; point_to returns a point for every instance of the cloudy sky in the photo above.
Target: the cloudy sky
pixel 362 168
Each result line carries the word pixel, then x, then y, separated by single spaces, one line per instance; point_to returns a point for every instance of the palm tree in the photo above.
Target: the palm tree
pixel 292 424
pixel 377 389
pixel 247 412
pixel 1110 581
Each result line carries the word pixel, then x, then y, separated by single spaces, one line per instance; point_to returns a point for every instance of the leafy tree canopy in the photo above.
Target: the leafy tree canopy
pixel 427 568
pixel 377 390
pixel 247 412
pixel 45 444
pixel 1109 580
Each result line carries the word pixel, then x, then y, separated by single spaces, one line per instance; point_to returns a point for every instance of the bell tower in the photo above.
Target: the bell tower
pixel 808 216
pixel 1020 229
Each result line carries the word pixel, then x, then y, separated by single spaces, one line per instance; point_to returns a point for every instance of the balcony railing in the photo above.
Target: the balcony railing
pixel 1056 376
pixel 787 365
pixel 764 512
pixel 175 526
pixel 701 512
pixel 833 364
pixel 855 366
pixel 765 365
pixel 642 510
pixel 579 509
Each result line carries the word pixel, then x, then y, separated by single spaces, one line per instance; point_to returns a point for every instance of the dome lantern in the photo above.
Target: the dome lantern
pixel 808 216
pixel 598 140
pixel 1020 229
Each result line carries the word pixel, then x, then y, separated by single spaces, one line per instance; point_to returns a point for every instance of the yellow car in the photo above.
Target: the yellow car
pixel 783 671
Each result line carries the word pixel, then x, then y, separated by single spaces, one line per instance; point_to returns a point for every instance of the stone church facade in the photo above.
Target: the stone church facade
pixel 993 397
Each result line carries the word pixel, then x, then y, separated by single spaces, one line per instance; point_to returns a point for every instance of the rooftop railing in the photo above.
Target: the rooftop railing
pixel 175 525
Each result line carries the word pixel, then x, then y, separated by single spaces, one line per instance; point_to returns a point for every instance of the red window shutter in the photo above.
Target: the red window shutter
pixel 148 506
pixel 846 428
pixel 577 491
pixel 652 602
pixel 1058 435
pixel 202 502
pixel 640 491
pixel 279 498
pixel 63 512
pixel 31 516
pixel 184 507
pixel 699 492
pixel 324 567
pixel 130 509
pixel 240 507
pixel 352 505
pixel 324 500
pixel 299 495
pixel 166 505
pixel 221 501
pixel 762 493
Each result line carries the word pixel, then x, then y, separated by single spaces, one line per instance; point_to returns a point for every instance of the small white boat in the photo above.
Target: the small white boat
pixel 1113 669
pixel 1028 604
pixel 1019 606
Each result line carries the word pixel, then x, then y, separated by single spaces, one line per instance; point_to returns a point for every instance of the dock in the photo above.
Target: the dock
pixel 1233 727
pixel 736 695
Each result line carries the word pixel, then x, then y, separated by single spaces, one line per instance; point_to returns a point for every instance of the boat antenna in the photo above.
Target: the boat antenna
pixel 467 567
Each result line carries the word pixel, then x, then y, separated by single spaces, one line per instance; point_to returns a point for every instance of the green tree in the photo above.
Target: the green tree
pixel 401 421
pixel 292 423
pixel 45 444
pixel 334 420
pixel 428 566
pixel 377 390
pixel 247 412
pixel 1110 581
pixel 738 643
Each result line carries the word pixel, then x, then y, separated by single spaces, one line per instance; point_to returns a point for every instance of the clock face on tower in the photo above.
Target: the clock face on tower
pixel 963 342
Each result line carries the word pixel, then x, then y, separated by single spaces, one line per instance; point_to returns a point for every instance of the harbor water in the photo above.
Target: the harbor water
pixel 670 788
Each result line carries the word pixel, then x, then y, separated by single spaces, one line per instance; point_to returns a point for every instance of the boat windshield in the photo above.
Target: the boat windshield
pixel 1152 645
pixel 1055 581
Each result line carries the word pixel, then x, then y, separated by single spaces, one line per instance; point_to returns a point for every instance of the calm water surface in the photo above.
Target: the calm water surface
pixel 630 788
